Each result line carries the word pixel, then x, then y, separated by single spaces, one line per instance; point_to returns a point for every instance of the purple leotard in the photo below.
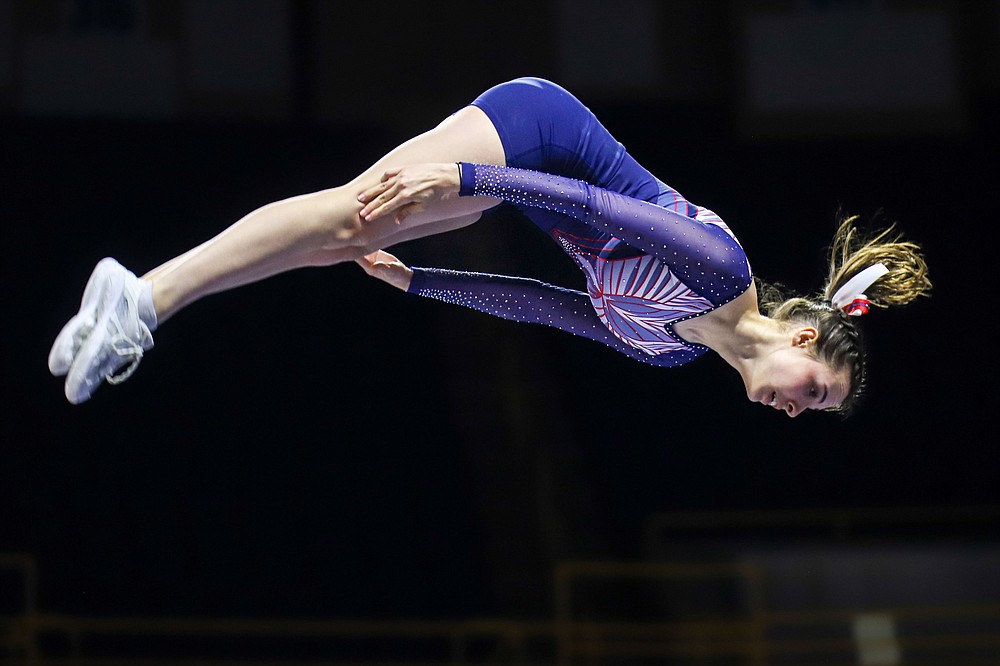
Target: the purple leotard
pixel 650 257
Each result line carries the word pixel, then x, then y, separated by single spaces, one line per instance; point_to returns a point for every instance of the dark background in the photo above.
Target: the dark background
pixel 323 445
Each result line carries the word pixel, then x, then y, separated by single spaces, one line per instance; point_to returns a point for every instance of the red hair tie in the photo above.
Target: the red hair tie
pixel 859 306
pixel 850 298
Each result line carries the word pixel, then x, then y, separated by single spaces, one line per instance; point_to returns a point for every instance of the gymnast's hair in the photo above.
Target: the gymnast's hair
pixel 840 342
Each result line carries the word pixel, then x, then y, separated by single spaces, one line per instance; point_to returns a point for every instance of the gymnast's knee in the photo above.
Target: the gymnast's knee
pixel 340 226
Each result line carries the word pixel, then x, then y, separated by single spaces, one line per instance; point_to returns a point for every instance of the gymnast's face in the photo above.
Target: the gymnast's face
pixel 792 379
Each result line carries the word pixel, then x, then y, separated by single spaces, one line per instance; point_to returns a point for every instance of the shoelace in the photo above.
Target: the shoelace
pixel 79 337
pixel 125 348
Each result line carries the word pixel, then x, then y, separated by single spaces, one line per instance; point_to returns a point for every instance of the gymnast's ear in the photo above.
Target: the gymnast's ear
pixel 805 336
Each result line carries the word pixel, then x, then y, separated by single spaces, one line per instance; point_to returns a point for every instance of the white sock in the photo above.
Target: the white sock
pixel 144 300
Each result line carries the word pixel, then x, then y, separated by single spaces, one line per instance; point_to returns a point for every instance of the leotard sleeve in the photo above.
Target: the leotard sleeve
pixel 704 256
pixel 526 300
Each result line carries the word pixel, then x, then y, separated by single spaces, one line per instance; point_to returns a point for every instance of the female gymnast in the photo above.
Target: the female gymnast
pixel 666 279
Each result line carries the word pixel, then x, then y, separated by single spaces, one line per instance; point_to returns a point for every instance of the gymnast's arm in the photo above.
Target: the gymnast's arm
pixel 514 298
pixel 704 256
pixel 522 300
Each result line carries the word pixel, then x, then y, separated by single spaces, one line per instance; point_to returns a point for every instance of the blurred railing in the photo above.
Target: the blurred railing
pixel 705 613
pixel 737 630
pixel 260 642
pixel 966 635
pixel 953 636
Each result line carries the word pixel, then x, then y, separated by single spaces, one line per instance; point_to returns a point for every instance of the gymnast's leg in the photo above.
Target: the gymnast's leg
pixel 279 236
pixel 321 228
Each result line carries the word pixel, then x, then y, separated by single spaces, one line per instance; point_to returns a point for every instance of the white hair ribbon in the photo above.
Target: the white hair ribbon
pixel 851 296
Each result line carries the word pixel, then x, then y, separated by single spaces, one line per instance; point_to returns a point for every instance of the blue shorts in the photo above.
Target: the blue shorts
pixel 545 128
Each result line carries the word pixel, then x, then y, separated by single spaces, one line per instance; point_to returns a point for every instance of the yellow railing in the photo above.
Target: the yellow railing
pixel 950 635
pixel 440 642
pixel 739 635
pixel 520 642
pixel 749 635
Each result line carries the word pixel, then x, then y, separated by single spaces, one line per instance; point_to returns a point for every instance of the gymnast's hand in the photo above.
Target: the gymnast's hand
pixel 409 189
pixel 387 268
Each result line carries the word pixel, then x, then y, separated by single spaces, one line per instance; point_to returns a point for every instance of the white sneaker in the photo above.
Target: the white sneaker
pixel 71 337
pixel 106 336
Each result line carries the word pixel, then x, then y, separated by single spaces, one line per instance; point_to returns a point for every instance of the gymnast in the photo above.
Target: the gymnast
pixel 666 280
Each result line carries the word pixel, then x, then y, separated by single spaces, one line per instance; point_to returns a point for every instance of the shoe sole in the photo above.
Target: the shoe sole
pixel 61 355
pixel 78 389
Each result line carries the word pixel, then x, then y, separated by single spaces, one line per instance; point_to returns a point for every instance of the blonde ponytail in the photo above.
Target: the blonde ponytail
pixel 853 251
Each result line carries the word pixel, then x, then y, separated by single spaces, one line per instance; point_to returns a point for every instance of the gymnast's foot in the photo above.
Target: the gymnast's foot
pixel 107 337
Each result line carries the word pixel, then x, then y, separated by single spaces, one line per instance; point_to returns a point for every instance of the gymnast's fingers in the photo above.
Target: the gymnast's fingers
pixel 369 194
pixel 373 196
pixel 386 267
pixel 382 257
pixel 376 263
pixel 378 188
pixel 366 263
pixel 389 200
